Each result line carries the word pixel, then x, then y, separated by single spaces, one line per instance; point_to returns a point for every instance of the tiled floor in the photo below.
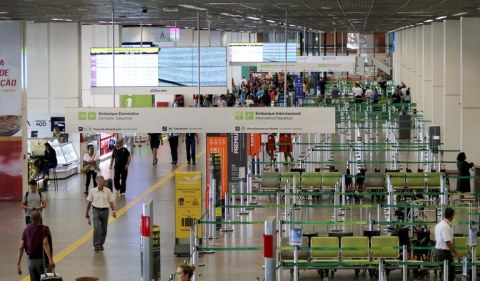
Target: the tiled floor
pixel 121 259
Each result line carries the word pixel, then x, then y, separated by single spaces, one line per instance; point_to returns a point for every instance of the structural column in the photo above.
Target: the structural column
pixel 397 57
pixel 407 58
pixel 451 89
pixel 427 71
pixel 413 62
pixel 418 95
pixel 470 96
pixel 437 73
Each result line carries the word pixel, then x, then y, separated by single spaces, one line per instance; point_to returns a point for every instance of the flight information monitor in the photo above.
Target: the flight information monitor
pixel 129 66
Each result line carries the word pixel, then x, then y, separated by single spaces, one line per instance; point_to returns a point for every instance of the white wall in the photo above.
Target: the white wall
pixel 53 69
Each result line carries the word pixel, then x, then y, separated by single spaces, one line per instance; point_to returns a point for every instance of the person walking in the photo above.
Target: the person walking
pixel 155 141
pixel 463 184
pixel 173 142
pixel 101 199
pixel 445 250
pixel 121 156
pixel 91 158
pixel 190 140
pixel 37 243
pixel 33 200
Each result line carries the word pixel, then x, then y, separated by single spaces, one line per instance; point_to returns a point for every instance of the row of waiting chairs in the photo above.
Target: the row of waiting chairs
pixel 313 181
pixel 348 250
pixel 354 251
pixel 326 181
pixel 416 181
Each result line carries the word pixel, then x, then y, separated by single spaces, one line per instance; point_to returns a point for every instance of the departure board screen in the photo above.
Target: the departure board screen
pixel 129 66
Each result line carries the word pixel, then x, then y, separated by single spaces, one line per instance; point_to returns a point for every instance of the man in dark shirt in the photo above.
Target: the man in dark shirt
pixel 121 156
pixel 36 240
pixel 190 140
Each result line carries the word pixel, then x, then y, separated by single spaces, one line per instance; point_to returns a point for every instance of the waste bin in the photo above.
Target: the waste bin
pixel 87 279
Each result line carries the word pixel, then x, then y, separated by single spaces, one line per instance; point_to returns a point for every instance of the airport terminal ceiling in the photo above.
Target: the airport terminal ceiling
pixel 245 15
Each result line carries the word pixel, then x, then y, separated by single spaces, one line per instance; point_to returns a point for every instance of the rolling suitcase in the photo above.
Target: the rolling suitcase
pixel 51 276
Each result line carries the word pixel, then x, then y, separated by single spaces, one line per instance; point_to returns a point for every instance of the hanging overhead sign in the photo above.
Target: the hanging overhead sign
pixel 312 64
pixel 201 120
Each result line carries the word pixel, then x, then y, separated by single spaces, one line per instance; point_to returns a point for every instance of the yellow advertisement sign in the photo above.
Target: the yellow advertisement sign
pixel 188 202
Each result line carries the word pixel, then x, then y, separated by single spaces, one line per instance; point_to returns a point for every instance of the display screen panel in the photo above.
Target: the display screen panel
pixel 179 67
pixel 261 52
pixel 275 52
pixel 131 67
pixel 245 52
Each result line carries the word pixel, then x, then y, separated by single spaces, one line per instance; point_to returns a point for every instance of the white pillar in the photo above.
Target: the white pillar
pixel 451 88
pixel 437 73
pixel 418 96
pixel 469 95
pixel 408 54
pixel 413 62
pixel 427 72
pixel 397 56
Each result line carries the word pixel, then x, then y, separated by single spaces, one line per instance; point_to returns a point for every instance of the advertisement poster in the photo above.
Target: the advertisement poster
pixel 11 111
pixel 237 156
pixel 188 202
pixel 218 144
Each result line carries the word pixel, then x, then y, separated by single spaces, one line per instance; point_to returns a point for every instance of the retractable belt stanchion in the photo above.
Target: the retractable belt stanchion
pixel 404 265
pixel 269 245
pixel 146 247
pixel 242 200
pixel 287 203
pixel 226 227
pixel 445 270
pixel 212 213
pixel 195 255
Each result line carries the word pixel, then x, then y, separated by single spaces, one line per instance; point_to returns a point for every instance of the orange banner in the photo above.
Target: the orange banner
pixel 255 144
pixel 218 144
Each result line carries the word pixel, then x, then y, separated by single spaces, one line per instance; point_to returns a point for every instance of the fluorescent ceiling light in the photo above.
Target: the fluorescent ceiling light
pixel 226 14
pixel 68 20
pixel 420 23
pixel 170 9
pixel 325 8
pixel 3 12
pixel 253 18
pixel 57 19
pixel 440 18
pixel 460 14
pixel 270 21
pixel 292 25
pixel 192 7
pixel 428 20
pixel 4 18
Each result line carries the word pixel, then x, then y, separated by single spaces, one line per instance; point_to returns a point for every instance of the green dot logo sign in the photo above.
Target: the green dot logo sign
pixel 249 116
pixel 238 115
pixel 82 116
pixel 92 116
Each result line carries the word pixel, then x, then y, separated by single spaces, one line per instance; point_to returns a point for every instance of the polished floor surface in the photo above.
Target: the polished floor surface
pixel 72 236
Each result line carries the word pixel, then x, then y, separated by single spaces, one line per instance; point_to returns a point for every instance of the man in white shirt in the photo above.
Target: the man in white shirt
pixel 444 247
pixel 101 199
pixel 358 93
